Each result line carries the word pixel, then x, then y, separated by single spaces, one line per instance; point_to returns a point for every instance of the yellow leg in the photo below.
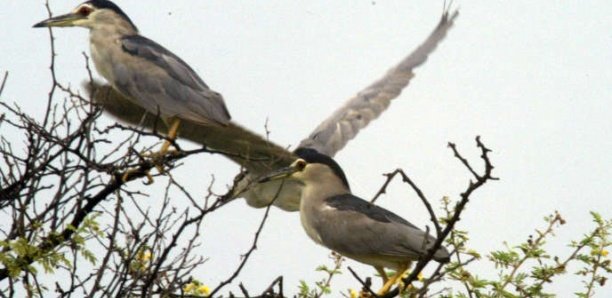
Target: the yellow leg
pixel 128 175
pixel 172 133
pixel 393 280
pixel 156 156
pixel 174 124
pixel 382 273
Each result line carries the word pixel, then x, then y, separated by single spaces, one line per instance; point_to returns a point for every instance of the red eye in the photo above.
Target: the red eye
pixel 84 11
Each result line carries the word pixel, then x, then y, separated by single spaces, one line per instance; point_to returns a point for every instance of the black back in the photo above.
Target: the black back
pixel 313 156
pixel 349 202
pixel 112 6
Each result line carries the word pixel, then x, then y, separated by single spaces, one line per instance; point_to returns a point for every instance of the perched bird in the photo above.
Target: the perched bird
pixel 335 218
pixel 259 156
pixel 144 72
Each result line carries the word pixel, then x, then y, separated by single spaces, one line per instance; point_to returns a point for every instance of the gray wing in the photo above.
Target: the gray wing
pixel 350 202
pixel 161 82
pixel 364 229
pixel 344 124
pixel 243 146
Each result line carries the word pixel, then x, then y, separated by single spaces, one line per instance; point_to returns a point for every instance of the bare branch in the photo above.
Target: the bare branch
pixel 465 196
pixel 246 256
pixel 418 191
pixel 365 285
pixel 6 73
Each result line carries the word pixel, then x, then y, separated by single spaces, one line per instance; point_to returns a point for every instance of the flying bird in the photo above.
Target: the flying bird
pixel 258 156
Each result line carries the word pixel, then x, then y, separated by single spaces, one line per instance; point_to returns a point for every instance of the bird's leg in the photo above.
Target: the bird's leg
pixel 157 157
pixel 137 171
pixel 393 280
pixel 172 134
pixel 382 273
pixel 130 172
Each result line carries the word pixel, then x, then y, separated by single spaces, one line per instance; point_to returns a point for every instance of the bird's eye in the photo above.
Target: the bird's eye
pixel 300 164
pixel 84 11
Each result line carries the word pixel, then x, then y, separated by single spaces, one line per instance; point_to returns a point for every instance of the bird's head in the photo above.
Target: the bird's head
pixel 311 166
pixel 91 14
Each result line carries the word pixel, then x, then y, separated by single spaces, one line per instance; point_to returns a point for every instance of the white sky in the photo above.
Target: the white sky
pixel 533 78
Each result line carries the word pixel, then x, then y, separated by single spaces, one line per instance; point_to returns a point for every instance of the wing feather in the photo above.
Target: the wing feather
pixel 344 124
pixel 247 148
pixel 163 83
pixel 364 229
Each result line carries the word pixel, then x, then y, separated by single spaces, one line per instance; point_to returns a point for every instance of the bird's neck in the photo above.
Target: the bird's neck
pixel 105 43
pixel 111 31
pixel 320 185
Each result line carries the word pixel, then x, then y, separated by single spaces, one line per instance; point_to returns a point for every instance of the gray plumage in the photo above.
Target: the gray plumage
pixel 351 203
pixel 258 156
pixel 335 218
pixel 364 229
pixel 146 73
pixel 344 124
pixel 157 79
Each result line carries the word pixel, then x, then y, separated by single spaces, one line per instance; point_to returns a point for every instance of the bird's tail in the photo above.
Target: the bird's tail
pixel 245 147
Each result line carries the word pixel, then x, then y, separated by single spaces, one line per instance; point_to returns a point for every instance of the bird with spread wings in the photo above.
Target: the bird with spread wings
pixel 257 155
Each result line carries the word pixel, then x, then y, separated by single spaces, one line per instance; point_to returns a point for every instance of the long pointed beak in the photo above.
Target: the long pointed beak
pixel 279 174
pixel 65 20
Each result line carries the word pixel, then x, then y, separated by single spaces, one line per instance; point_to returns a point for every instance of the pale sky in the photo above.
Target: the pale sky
pixel 533 78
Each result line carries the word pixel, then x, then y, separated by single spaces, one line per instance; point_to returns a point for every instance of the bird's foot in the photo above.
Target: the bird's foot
pixel 396 278
pixel 131 173
pixel 385 289
pixel 363 294
pixel 157 158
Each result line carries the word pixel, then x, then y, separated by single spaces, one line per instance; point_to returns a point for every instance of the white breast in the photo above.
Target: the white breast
pixel 98 56
pixel 102 45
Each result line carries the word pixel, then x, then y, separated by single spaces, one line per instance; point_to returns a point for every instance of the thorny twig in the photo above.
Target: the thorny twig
pixel 338 259
pixel 465 196
pixel 63 178
pixel 534 243
pixel 269 291
pixel 6 73
pixel 365 285
pixel 420 194
pixel 246 256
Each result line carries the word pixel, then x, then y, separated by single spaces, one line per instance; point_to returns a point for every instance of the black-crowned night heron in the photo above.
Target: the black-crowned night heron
pixel 146 73
pixel 258 156
pixel 335 218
